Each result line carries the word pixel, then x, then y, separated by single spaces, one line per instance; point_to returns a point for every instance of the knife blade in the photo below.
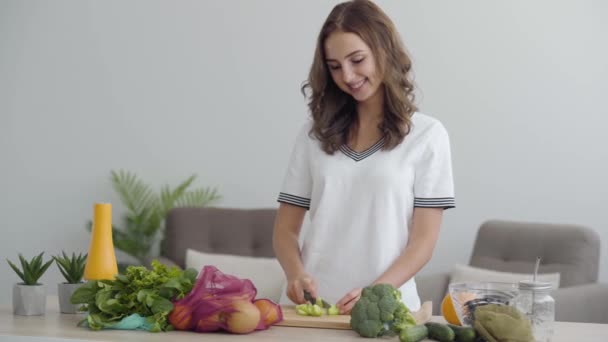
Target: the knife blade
pixel 313 300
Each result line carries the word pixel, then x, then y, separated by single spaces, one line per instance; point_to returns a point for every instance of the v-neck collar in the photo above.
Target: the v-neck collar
pixel 358 156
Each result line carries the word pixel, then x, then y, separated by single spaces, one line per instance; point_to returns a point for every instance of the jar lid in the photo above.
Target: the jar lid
pixel 534 285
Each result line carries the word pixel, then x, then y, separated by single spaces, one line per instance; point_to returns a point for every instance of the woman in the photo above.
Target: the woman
pixel 375 174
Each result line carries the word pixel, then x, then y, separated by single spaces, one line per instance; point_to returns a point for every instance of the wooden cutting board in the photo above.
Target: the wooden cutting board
pixel 292 319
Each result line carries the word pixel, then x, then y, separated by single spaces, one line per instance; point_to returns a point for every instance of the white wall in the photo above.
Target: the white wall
pixel 166 89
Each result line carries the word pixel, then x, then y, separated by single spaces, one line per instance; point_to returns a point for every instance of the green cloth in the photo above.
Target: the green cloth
pixel 502 323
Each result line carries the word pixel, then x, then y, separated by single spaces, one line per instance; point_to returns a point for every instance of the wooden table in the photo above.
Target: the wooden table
pixel 58 327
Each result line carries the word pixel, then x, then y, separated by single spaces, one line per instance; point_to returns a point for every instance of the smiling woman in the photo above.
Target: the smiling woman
pixel 359 48
pixel 374 173
pixel 355 73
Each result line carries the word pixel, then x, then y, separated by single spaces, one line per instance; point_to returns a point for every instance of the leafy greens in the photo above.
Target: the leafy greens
pixel 139 291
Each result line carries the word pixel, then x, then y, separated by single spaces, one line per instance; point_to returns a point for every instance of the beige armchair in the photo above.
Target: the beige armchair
pixel 510 246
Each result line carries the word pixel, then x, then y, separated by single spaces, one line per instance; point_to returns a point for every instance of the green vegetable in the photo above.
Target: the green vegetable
pixel 463 334
pixel 333 310
pixel 309 309
pixel 320 302
pixel 440 332
pixel 317 309
pixel 147 293
pixel 413 333
pixel 301 310
pixel 380 312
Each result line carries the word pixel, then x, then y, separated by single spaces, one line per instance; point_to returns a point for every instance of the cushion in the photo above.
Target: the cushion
pixel 265 273
pixel 464 273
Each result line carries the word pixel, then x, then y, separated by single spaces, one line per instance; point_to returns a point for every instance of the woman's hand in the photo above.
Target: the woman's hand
pixel 297 285
pixel 346 304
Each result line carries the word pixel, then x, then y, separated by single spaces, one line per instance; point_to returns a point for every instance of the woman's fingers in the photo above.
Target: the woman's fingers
pixel 346 304
pixel 298 292
pixel 348 307
pixel 299 285
pixel 310 285
pixel 347 298
pixel 296 288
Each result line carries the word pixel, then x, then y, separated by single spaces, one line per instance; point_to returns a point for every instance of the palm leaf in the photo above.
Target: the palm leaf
pixel 198 198
pixel 145 223
pixel 126 243
pixel 168 197
pixel 134 193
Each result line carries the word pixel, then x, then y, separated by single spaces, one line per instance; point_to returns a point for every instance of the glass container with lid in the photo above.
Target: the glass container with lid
pixel 535 301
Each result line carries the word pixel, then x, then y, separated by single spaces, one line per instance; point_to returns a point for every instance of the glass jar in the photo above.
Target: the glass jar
pixel 535 301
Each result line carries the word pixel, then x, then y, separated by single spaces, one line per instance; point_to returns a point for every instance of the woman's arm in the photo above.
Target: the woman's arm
pixel 287 226
pixel 423 236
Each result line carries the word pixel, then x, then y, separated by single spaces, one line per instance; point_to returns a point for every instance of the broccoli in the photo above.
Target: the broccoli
pixel 403 319
pixel 380 312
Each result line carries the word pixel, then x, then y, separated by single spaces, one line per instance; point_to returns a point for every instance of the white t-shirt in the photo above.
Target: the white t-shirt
pixel 361 204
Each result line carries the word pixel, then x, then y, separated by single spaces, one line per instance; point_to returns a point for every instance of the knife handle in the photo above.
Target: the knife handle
pixel 309 297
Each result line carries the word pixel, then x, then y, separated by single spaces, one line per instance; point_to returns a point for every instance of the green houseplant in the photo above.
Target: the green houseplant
pixel 72 269
pixel 29 296
pixel 142 228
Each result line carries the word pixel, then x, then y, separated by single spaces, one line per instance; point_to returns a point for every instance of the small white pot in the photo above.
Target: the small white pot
pixel 65 291
pixel 29 300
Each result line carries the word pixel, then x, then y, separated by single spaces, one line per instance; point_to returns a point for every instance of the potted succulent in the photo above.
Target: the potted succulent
pixel 72 269
pixel 29 297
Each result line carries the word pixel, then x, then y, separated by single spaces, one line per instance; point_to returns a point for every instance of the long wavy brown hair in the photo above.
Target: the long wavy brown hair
pixel 333 111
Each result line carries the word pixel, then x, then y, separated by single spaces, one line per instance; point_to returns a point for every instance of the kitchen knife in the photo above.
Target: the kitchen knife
pixel 313 300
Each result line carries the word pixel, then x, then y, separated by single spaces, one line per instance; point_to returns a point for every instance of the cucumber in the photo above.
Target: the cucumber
pixel 463 334
pixel 440 332
pixel 414 333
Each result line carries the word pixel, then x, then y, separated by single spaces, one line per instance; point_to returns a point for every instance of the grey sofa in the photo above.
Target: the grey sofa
pixel 246 232
pixel 500 245
pixel 510 246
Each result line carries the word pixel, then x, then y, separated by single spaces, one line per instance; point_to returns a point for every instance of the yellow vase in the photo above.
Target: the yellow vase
pixel 101 261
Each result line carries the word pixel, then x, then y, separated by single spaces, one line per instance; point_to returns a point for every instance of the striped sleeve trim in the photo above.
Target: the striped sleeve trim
pixel 439 202
pixel 295 200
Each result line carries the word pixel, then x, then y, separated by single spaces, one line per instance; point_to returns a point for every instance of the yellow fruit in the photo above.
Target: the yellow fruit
pixel 244 319
pixel 447 310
